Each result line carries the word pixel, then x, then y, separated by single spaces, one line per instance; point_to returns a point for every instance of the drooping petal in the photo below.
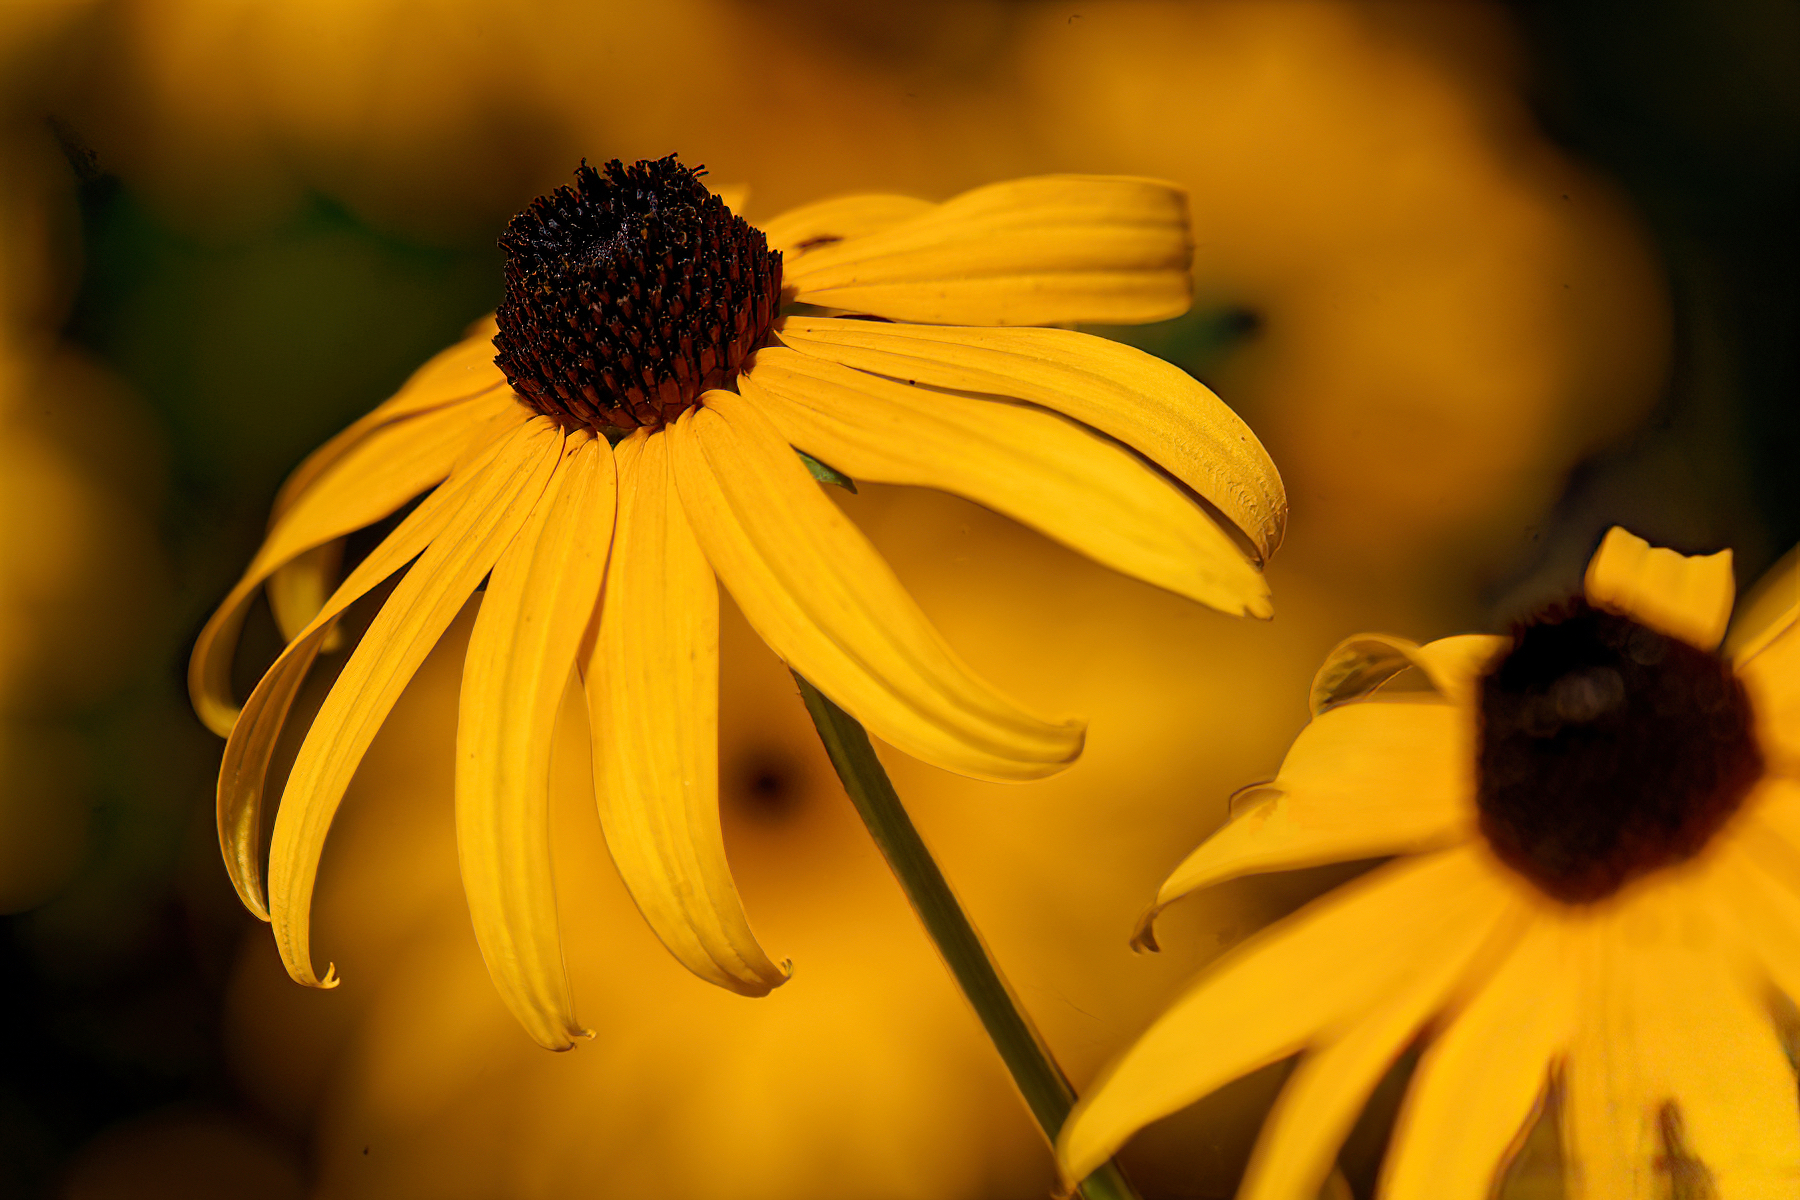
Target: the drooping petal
pixel 1685 596
pixel 1299 1141
pixel 823 223
pixel 1708 1044
pixel 1361 780
pixel 1036 467
pixel 1359 665
pixel 1040 251
pixel 1481 1079
pixel 522 649
pixel 252 739
pixel 817 592
pixel 464 370
pixel 653 693
pixel 372 479
pixel 1334 959
pixel 1152 406
pixel 299 588
pixel 409 624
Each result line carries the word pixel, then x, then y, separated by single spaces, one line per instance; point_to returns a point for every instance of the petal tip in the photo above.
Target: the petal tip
pixel 1143 937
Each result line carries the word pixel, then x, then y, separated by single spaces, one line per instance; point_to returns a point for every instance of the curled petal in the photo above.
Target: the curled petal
pixel 1033 466
pixel 1041 251
pixel 463 371
pixel 409 624
pixel 252 738
pixel 538 603
pixel 1359 665
pixel 827 604
pixel 653 692
pixel 381 472
pixel 1156 408
pixel 1361 780
pixel 1684 596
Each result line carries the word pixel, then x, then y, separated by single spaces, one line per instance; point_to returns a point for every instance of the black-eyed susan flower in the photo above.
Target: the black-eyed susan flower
pixel 1597 896
pixel 633 445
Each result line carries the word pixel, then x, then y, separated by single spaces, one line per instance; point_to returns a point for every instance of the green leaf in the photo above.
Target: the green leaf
pixel 825 474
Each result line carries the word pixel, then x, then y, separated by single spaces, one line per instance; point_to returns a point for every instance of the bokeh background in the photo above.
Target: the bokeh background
pixel 1486 278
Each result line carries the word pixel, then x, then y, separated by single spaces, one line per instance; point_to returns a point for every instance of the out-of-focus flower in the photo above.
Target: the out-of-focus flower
pixel 1599 829
pixel 595 343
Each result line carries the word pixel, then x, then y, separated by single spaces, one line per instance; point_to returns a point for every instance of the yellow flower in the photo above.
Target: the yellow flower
pixel 640 310
pixel 1598 894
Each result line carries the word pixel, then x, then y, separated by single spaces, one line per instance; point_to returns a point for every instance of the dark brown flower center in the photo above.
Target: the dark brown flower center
pixel 630 294
pixel 1608 750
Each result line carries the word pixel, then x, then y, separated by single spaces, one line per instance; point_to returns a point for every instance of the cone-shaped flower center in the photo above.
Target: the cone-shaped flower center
pixel 1608 750
pixel 630 294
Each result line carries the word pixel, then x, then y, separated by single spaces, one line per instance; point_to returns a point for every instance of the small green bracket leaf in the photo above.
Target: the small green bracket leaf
pixel 825 474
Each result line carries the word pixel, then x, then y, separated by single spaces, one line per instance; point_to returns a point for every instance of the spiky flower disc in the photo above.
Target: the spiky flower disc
pixel 630 294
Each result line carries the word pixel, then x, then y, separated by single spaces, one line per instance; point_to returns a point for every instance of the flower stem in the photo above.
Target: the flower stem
pixel 1045 1088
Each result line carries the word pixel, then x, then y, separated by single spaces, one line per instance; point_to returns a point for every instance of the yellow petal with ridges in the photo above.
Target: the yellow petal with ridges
pixel 252 739
pixel 1480 1081
pixel 409 624
pixel 458 373
pixel 1684 596
pixel 1040 251
pixel 653 695
pixel 1152 406
pixel 1362 780
pixel 822 598
pixel 375 477
pixel 1300 1139
pixel 822 223
pixel 1334 959
pixel 1035 467
pixel 538 603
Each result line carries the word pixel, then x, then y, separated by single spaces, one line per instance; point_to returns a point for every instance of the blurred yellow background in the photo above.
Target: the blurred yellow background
pixel 262 214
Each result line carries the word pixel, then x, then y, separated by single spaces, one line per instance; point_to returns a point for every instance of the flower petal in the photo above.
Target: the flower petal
pixel 1361 780
pixel 1359 665
pixel 1709 1045
pixel 1300 1140
pixel 537 606
pixel 1040 251
pixel 1476 1086
pixel 1033 466
pixel 1768 612
pixel 1152 406
pixel 252 738
pixel 370 480
pixel 299 588
pixel 817 592
pixel 463 371
pixel 1771 676
pixel 409 624
pixel 1684 596
pixel 653 692
pixel 825 222
pixel 1267 1000
pixel 1609 1112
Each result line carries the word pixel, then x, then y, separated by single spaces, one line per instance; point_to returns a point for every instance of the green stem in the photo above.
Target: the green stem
pixel 1045 1088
